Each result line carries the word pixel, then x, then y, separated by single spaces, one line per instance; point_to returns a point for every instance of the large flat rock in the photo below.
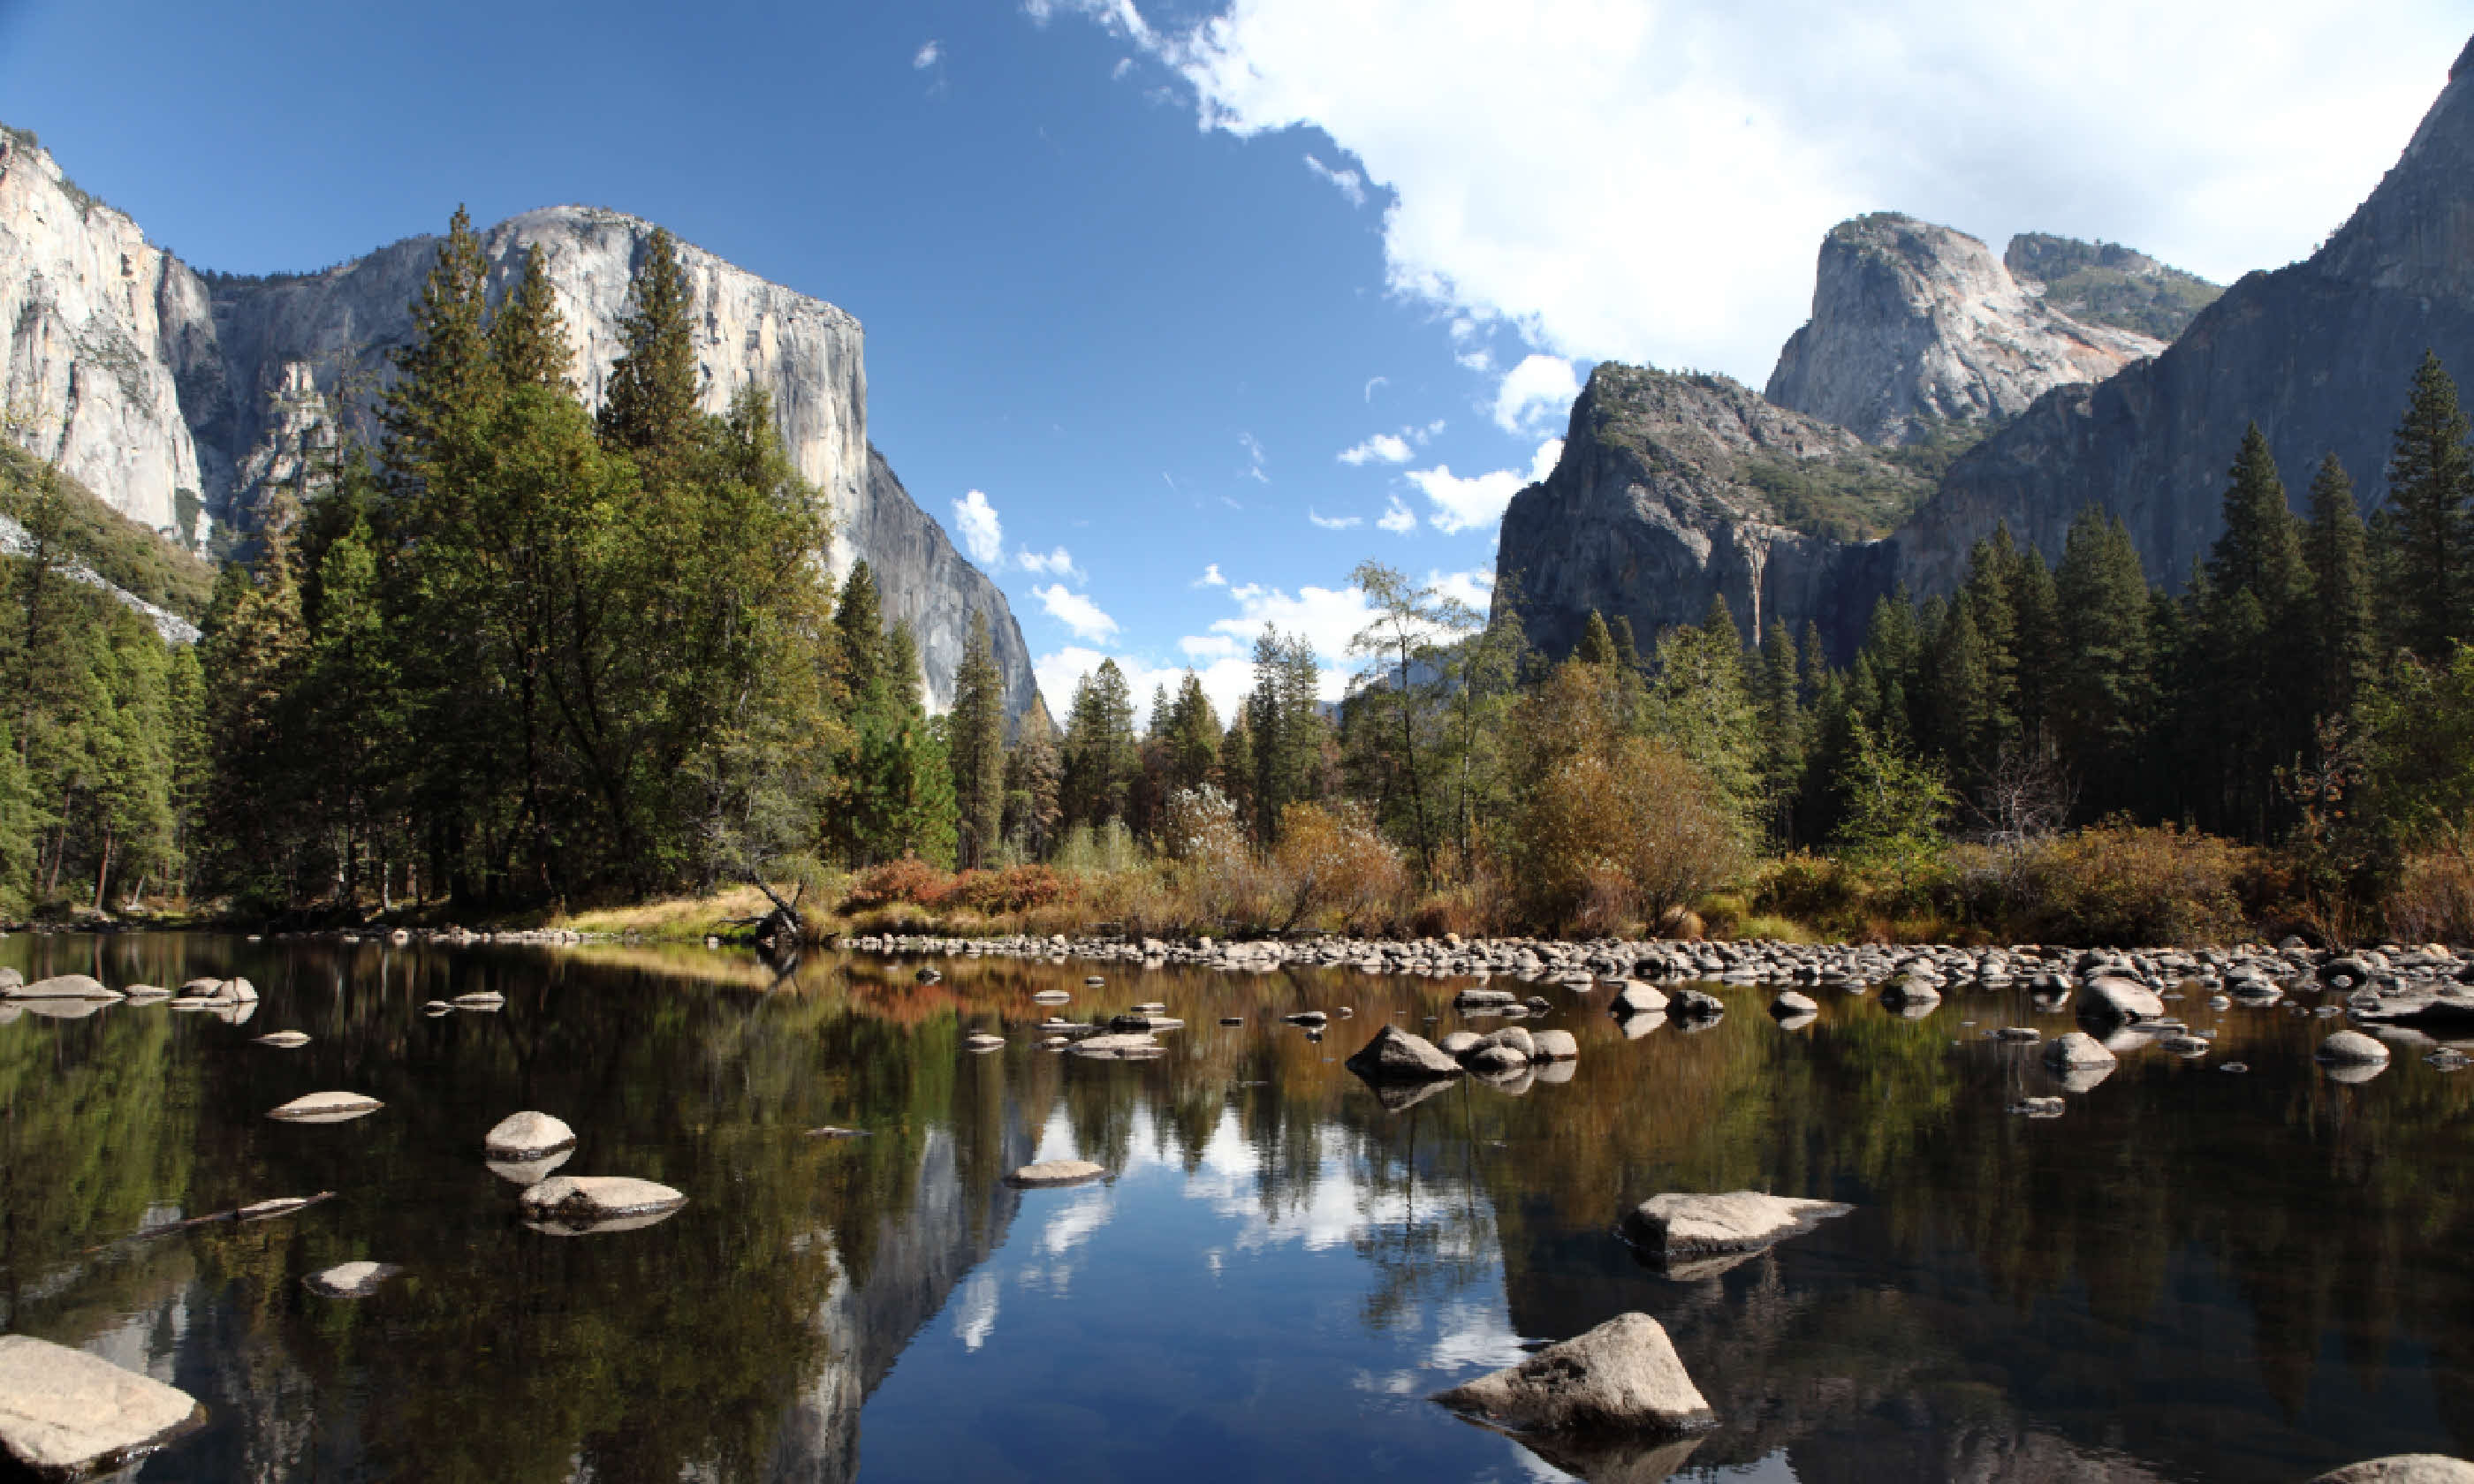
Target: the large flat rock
pixel 61 987
pixel 326 1107
pixel 574 1205
pixel 65 1414
pixel 2403 1469
pixel 1676 1226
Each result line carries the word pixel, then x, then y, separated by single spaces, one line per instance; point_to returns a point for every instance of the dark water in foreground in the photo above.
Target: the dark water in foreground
pixel 2192 1275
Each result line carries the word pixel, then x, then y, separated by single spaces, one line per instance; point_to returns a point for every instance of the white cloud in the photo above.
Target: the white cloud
pixel 1462 504
pixel 1211 577
pixel 1649 179
pixel 1348 182
pixel 1541 388
pixel 1336 522
pixel 1076 612
pixel 1208 646
pixel 982 534
pixel 1371 382
pixel 975 1310
pixel 1117 73
pixel 1398 518
pixel 928 56
pixel 1058 562
pixel 1474 587
pixel 1383 447
pixel 1254 458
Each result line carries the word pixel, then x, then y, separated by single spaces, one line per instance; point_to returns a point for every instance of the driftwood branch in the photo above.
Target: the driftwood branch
pixel 242 1213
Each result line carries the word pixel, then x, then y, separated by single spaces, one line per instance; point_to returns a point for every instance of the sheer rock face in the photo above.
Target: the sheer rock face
pixel 1916 326
pixel 96 319
pixel 145 378
pixel 2319 353
pixel 929 586
pixel 1652 512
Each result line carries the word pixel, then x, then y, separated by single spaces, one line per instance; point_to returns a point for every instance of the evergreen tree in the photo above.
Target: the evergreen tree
pixel 1034 776
pixel 2426 544
pixel 2104 682
pixel 2255 711
pixel 650 409
pixel 975 732
pixel 446 380
pixel 1099 753
pixel 528 335
pixel 1597 644
pixel 2342 650
pixel 1193 735
pixel 1778 699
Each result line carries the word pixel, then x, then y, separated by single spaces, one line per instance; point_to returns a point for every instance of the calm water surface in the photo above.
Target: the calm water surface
pixel 2192 1275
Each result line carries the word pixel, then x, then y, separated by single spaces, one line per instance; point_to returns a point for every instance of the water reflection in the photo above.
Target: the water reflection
pixel 2188 1275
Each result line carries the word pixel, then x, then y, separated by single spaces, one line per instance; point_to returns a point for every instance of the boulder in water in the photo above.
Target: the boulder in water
pixel 327 1108
pixel 1621 1377
pixel 527 1136
pixel 65 1414
pixel 574 1205
pixel 351 1280
pixel 1056 1172
pixel 1394 1055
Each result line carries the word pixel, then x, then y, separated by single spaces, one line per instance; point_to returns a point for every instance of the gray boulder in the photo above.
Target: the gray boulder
pixel 1123 1046
pixel 2078 1050
pixel 1790 1004
pixel 572 1205
pixel 1458 1043
pixel 2403 1469
pixel 1676 1226
pixel 1552 1046
pixel 2352 1048
pixel 2112 998
pixel 1621 1377
pixel 1394 1055
pixel 1636 999
pixel 526 1136
pixel 327 1108
pixel 65 1414
pixel 64 986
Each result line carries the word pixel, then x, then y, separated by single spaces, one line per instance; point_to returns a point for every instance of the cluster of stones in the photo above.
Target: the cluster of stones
pixel 453 936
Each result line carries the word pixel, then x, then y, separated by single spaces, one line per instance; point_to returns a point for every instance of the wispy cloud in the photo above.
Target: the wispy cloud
pixel 1398 518
pixel 1076 612
pixel 928 56
pixel 1348 182
pixel 1381 448
pixel 1055 563
pixel 982 534
pixel 1336 522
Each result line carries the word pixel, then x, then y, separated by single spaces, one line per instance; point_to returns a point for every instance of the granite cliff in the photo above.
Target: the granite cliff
pixel 1667 494
pixel 1904 341
pixel 2319 353
pixel 181 397
pixel 1915 327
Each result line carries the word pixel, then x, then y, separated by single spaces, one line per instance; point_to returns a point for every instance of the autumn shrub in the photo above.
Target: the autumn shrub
pixel 1636 835
pixel 1807 888
pixel 1337 866
pixel 908 879
pixel 2432 899
pixel 2133 885
pixel 1010 889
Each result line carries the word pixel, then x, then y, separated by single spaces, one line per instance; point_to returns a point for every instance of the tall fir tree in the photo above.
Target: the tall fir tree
pixel 528 335
pixel 975 732
pixel 649 408
pixel 2343 649
pixel 1100 751
pixel 2426 545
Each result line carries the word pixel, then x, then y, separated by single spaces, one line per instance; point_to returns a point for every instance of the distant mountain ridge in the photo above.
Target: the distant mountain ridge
pixel 1918 336
pixel 181 398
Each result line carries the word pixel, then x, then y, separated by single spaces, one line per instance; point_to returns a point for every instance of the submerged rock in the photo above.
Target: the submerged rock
pixel 65 1414
pixel 1394 1055
pixel 62 986
pixel 527 1136
pixel 1678 1226
pixel 1130 1046
pixel 1621 1377
pixel 285 1040
pixel 351 1280
pixel 574 1205
pixel 1056 1172
pixel 981 1041
pixel 327 1108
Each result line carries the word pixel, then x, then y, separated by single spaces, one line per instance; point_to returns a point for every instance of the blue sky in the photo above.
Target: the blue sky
pixel 1223 297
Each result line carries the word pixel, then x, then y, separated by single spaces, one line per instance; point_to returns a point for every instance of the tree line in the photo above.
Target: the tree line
pixel 510 652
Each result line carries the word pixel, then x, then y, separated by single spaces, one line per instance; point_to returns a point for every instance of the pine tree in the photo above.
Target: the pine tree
pixel 2257 715
pixel 650 407
pixel 2102 676
pixel 1777 697
pixel 253 646
pixel 2427 546
pixel 1099 749
pixel 1597 644
pixel 975 732
pixel 528 335
pixel 446 380
pixel 1035 774
pixel 1193 735
pixel 2342 650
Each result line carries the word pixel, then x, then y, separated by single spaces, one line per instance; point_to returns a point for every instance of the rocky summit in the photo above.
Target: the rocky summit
pixel 2056 356
pixel 180 398
pixel 1915 327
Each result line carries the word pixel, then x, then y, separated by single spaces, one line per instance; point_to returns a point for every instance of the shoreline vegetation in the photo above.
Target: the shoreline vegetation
pixel 503 661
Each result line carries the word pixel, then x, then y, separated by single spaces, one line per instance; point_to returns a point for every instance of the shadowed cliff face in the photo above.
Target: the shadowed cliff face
pixel 2318 354
pixel 1658 506
pixel 927 586
pixel 1915 325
